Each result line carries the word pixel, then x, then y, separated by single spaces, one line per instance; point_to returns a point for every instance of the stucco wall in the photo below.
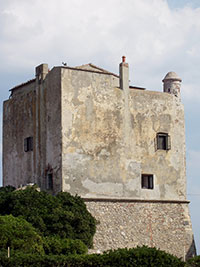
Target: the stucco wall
pixel 53 128
pixel 34 110
pixel 109 139
pixel 19 114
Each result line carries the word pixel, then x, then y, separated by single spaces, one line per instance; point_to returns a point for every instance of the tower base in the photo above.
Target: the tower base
pixel 130 223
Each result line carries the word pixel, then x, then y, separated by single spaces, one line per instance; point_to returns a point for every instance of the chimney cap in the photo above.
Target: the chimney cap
pixel 123 59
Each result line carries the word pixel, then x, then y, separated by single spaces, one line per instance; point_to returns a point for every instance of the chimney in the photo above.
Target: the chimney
pixel 41 72
pixel 124 74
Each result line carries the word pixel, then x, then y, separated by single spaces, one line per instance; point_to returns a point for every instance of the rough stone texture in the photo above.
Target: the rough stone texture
pixel 33 110
pixel 108 138
pixel 96 136
pixel 19 113
pixel 129 224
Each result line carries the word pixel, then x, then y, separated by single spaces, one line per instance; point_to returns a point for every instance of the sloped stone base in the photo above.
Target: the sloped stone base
pixel 165 225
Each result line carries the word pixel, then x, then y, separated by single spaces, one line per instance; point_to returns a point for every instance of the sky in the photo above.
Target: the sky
pixel 156 36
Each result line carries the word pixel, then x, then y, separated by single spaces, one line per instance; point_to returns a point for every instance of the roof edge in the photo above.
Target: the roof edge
pixel 22 84
pixel 102 72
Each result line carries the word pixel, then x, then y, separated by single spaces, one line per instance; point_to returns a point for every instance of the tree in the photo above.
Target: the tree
pixel 63 246
pixel 19 235
pixel 63 215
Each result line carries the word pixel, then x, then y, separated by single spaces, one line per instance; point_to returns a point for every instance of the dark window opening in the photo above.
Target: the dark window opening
pixel 49 181
pixel 28 144
pixel 163 141
pixel 147 181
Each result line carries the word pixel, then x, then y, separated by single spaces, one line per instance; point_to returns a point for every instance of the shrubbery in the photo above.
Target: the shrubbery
pixel 193 262
pixel 137 257
pixel 63 215
pixel 46 230
pixel 57 246
pixel 18 234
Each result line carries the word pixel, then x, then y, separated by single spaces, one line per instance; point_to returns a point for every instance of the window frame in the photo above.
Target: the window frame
pixel 147 181
pixel 167 141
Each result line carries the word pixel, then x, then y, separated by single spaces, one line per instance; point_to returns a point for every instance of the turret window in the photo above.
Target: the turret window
pixel 147 181
pixel 163 141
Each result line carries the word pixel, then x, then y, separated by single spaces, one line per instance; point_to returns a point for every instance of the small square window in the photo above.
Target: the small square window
pixel 163 141
pixel 147 181
pixel 28 144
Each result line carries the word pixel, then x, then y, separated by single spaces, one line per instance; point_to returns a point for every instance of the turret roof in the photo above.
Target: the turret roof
pixel 172 76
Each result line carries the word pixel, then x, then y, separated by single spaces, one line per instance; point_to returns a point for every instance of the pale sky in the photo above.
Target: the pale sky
pixel 156 36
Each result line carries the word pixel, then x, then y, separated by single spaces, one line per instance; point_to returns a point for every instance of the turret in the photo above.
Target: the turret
pixel 172 84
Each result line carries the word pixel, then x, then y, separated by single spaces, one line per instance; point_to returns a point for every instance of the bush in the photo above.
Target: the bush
pixel 57 246
pixel 141 256
pixel 193 262
pixel 19 235
pixel 63 215
pixel 136 257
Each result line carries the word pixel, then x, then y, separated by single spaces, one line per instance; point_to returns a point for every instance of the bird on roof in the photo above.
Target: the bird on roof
pixel 64 64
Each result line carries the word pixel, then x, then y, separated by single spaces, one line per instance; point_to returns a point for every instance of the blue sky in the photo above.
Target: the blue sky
pixel 157 36
pixel 183 3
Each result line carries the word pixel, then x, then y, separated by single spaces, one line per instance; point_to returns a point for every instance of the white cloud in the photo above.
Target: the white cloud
pixel 155 38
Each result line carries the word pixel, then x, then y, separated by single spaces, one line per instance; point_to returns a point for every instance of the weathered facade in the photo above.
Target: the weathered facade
pixel 122 148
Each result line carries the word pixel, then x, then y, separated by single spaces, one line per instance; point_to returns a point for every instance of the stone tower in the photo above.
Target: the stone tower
pixel 86 131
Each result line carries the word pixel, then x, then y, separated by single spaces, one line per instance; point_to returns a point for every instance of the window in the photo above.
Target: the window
pixel 147 181
pixel 163 141
pixel 49 181
pixel 28 144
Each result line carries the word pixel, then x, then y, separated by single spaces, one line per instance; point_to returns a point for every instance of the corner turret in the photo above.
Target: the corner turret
pixel 172 84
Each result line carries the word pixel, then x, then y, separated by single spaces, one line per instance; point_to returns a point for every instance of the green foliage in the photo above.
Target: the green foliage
pixel 4 198
pixel 137 257
pixel 18 234
pixel 82 222
pixel 63 215
pixel 57 246
pixel 141 256
pixel 7 189
pixel 193 262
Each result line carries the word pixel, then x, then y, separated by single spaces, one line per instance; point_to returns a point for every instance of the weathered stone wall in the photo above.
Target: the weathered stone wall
pixel 34 110
pixel 108 139
pixel 97 139
pixel 53 138
pixel 19 114
pixel 163 225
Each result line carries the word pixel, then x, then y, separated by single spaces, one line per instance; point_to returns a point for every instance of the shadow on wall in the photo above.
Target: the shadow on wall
pixel 191 251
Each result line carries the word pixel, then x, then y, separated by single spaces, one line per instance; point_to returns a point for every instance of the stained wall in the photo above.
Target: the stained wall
pixel 108 139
